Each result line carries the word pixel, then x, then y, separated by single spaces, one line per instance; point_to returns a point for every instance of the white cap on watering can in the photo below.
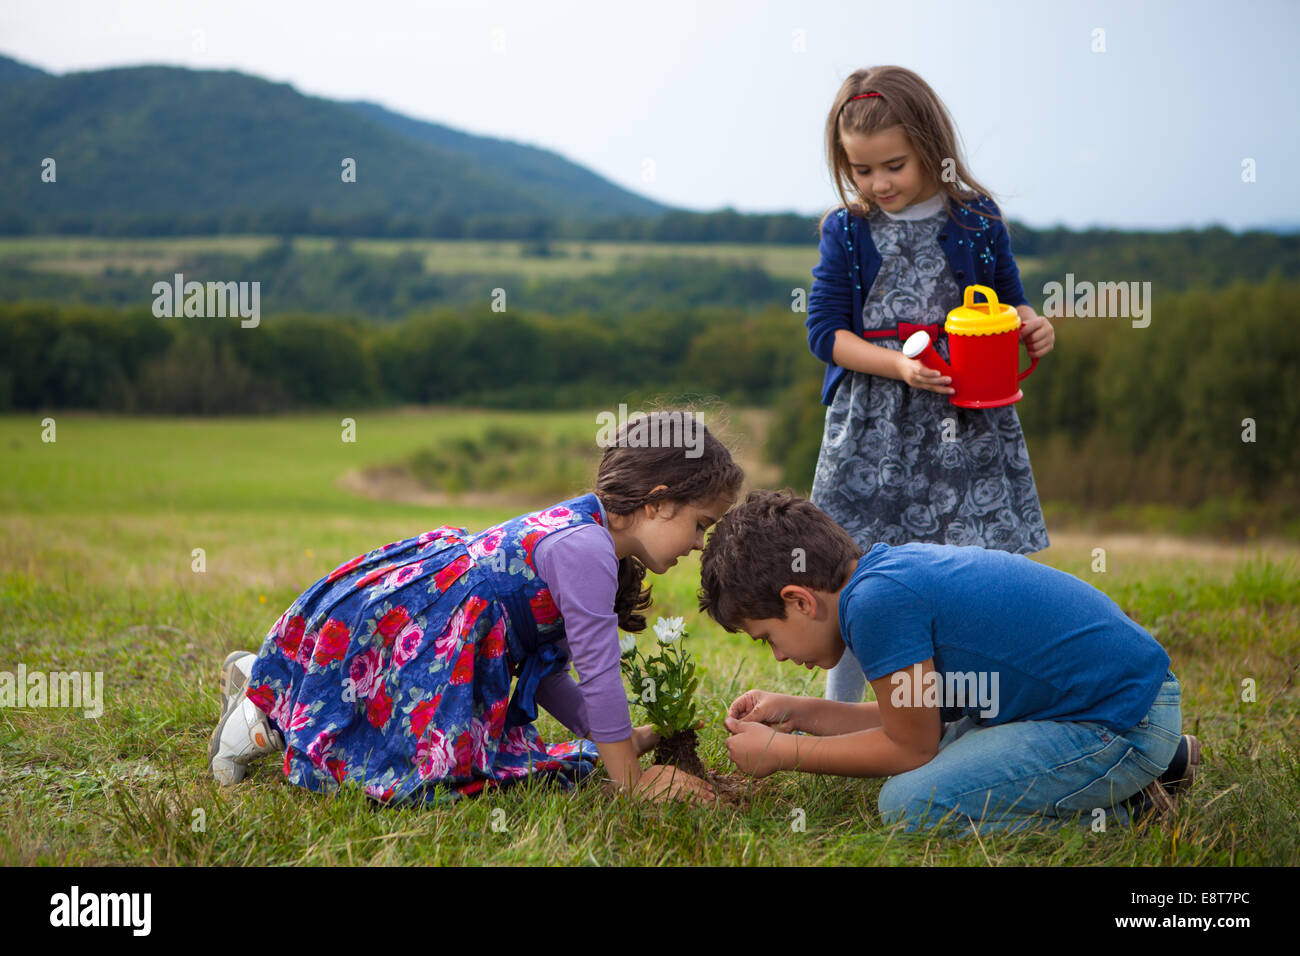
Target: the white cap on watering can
pixel 916 343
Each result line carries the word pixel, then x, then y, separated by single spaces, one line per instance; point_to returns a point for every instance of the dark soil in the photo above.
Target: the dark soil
pixel 679 750
pixel 734 789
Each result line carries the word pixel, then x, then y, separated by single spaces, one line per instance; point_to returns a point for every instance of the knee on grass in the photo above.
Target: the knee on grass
pixel 902 804
pixel 915 810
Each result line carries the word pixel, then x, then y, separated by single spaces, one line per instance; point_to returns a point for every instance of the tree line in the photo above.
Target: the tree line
pixel 1197 405
pixel 128 360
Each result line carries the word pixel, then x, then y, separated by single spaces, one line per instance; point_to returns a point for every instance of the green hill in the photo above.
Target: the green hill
pixel 164 150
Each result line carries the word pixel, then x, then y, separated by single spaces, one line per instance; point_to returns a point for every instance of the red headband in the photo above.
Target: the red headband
pixel 858 97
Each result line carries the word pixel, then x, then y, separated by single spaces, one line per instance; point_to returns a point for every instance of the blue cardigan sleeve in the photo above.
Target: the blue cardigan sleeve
pixel 1006 275
pixel 830 301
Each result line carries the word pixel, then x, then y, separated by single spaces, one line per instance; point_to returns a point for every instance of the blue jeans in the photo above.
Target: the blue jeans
pixel 1034 773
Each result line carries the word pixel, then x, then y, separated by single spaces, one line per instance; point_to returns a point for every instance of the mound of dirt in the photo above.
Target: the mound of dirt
pixel 732 789
pixel 679 750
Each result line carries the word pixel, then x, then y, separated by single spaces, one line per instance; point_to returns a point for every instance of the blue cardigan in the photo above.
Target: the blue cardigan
pixel 979 254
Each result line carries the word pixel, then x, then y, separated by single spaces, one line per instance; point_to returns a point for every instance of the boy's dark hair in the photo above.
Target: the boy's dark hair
pixel 630 469
pixel 773 539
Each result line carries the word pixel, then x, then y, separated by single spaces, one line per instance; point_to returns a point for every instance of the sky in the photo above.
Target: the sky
pixel 1127 114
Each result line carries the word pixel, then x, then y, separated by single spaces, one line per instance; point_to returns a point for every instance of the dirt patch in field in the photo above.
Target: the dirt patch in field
pixel 680 750
pixel 395 483
pixel 729 789
pixel 744 430
pixel 733 789
pixel 1163 547
pixel 745 435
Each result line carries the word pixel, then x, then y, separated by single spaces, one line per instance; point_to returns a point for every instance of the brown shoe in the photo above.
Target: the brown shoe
pixel 1182 768
pixel 1151 800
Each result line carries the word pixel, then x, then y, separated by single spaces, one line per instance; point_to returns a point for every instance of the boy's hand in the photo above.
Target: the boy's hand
pixel 662 782
pixel 778 711
pixel 919 376
pixel 756 749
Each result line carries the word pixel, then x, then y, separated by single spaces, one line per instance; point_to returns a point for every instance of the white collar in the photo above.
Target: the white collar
pixel 918 210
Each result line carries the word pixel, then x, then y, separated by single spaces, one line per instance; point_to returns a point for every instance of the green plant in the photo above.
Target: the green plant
pixel 664 681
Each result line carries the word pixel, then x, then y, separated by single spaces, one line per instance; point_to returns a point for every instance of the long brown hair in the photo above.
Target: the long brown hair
pixel 626 475
pixel 906 101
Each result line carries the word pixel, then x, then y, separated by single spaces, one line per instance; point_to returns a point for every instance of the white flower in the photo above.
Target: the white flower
pixel 670 629
pixel 626 644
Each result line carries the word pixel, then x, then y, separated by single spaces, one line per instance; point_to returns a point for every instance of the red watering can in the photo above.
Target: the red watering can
pixel 983 344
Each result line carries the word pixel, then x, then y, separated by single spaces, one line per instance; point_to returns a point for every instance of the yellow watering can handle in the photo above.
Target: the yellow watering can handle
pixel 993 305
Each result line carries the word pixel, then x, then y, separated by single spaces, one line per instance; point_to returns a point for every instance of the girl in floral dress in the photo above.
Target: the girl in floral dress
pixel 395 671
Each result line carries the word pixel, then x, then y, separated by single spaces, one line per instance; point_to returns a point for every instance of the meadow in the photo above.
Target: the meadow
pixel 551 259
pixel 97 574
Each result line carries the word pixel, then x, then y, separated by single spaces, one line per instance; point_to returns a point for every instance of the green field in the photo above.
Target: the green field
pixel 95 575
pixel 567 259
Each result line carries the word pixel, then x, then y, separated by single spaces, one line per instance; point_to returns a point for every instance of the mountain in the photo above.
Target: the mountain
pixel 526 163
pixel 11 71
pixel 176 147
pixel 1283 226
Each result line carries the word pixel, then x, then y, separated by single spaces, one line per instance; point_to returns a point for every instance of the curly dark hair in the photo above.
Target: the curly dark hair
pixel 628 472
pixel 772 539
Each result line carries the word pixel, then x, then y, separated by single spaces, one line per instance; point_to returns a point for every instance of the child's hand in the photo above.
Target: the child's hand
pixel 662 782
pixel 1037 332
pixel 763 707
pixel 756 749
pixel 917 375
pixel 644 739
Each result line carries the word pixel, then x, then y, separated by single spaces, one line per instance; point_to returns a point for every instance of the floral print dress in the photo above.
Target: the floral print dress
pixel 394 672
pixel 890 469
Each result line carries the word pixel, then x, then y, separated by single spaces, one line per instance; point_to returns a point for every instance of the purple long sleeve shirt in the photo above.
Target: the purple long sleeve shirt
pixel 580 569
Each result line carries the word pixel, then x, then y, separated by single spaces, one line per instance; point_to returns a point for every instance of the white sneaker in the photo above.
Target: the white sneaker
pixel 234 675
pixel 242 734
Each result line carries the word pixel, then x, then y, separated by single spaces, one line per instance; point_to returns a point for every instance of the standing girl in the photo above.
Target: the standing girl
pixel 898 462
pixel 395 670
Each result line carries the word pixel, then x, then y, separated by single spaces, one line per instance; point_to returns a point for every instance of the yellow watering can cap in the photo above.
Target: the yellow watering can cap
pixel 986 318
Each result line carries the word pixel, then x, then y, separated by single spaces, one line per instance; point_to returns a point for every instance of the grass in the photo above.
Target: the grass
pixel 96 574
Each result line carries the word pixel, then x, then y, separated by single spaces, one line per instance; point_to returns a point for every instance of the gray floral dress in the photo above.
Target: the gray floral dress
pixel 891 469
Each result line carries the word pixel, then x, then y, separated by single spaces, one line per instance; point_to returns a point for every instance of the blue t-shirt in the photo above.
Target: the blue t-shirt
pixel 1011 639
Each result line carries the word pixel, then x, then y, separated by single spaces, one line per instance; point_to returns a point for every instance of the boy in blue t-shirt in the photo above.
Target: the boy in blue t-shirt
pixel 1007 692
